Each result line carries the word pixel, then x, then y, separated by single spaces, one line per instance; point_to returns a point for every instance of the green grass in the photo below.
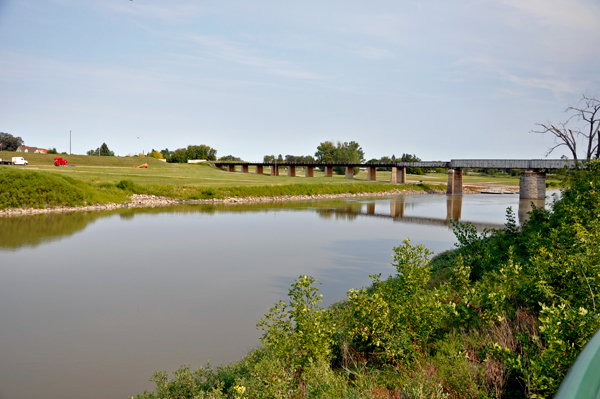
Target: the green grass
pixel 101 176
pixel 33 189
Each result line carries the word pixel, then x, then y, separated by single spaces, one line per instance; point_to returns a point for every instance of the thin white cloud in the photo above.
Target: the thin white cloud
pixel 168 13
pixel 574 14
pixel 236 53
pixel 554 84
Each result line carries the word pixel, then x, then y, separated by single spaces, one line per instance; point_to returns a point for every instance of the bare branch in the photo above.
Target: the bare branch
pixel 581 125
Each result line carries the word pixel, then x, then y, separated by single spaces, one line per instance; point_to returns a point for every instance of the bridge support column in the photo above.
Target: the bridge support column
pixel 291 171
pixel 349 172
pixel 232 168
pixel 259 170
pixel 309 171
pixel 274 170
pixel 328 171
pixel 532 185
pixel 403 176
pixel 455 178
pixel 244 168
pixel 371 173
pixel 394 178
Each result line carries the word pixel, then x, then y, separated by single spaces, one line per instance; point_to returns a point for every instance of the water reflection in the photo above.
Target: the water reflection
pixel 16 232
pixel 92 303
pixel 526 206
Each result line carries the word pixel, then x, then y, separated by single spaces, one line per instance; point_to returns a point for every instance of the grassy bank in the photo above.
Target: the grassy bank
pixel 503 315
pixel 26 188
pixel 114 169
pixel 21 188
pixel 110 179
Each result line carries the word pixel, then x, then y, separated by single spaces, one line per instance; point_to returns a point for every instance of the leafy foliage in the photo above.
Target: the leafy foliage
pixel 298 333
pixel 32 189
pixel 346 152
pixel 103 151
pixel 8 142
pixel 503 315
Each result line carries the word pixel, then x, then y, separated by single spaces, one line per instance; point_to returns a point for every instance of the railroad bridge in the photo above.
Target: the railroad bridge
pixel 532 184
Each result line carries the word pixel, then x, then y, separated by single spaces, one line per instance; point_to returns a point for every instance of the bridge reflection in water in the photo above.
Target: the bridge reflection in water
pixel 397 212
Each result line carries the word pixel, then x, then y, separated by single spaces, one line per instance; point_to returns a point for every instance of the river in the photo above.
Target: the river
pixel 92 303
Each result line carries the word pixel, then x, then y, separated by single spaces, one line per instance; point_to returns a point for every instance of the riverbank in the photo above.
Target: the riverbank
pixel 504 314
pixel 152 201
pixel 30 192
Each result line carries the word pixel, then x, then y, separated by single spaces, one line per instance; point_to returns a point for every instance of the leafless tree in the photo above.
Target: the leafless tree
pixel 581 125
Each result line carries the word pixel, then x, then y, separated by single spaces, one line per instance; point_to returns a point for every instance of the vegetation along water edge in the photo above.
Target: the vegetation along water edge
pixel 503 315
pixel 99 183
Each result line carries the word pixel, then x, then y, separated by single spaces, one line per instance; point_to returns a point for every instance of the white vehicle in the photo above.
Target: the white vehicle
pixel 15 161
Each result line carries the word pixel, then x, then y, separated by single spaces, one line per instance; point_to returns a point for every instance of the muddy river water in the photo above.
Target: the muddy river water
pixel 92 303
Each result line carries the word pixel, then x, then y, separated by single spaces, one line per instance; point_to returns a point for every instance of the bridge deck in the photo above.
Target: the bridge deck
pixel 453 164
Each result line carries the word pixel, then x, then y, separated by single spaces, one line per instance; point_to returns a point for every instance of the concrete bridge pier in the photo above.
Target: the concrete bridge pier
pixel 395 172
pixel 349 172
pixel 309 171
pixel 371 173
pixel 244 168
pixel 455 178
pixel 274 170
pixel 398 175
pixel 232 168
pixel 291 171
pixel 259 170
pixel 328 171
pixel 532 185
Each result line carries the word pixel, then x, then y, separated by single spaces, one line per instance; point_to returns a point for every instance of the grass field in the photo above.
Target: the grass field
pixel 194 181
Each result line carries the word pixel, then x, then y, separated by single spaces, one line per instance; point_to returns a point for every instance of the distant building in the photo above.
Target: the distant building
pixel 35 150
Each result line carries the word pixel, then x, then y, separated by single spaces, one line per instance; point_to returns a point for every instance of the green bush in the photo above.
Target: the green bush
pixel 503 315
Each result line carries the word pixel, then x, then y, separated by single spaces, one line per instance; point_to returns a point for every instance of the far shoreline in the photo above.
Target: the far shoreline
pixel 152 201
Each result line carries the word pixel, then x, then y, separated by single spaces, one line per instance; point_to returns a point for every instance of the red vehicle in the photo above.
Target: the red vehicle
pixel 60 162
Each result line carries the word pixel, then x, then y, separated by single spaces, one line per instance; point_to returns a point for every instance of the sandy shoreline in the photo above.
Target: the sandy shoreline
pixel 151 201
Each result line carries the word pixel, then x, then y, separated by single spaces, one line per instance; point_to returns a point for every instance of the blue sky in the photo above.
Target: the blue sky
pixel 440 79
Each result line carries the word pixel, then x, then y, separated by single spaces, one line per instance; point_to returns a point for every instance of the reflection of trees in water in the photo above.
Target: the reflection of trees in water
pixel 16 232
pixel 337 215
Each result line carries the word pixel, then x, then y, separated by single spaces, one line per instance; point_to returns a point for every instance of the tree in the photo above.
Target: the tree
pixel 52 151
pixel 103 150
pixel 201 152
pixel 230 158
pixel 180 155
pixel 386 160
pixel 156 154
pixel 347 152
pixel 166 154
pixel 268 158
pixel 8 142
pixel 412 158
pixel 581 125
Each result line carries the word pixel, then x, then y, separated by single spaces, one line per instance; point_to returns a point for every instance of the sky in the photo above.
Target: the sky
pixel 439 79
